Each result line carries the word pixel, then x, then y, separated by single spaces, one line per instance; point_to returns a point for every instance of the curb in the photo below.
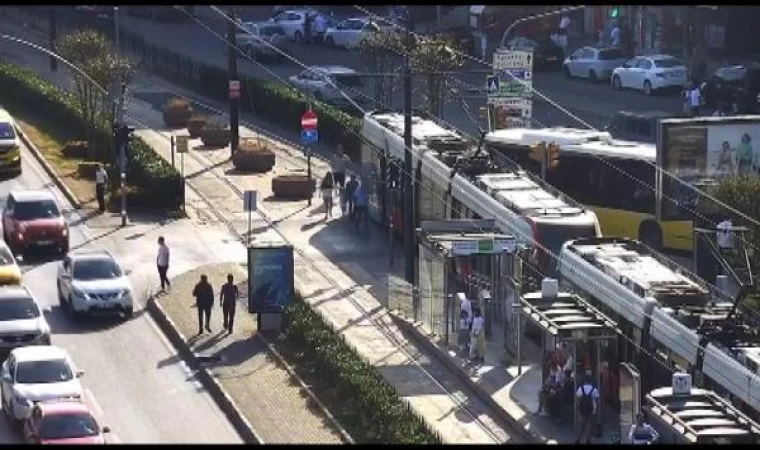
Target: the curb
pixel 214 388
pixel 50 171
pixel 346 437
pixel 520 425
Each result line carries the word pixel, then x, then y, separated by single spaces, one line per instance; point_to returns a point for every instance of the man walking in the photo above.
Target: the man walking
pixel 162 262
pixel 204 300
pixel 349 192
pixel 228 299
pixel 360 205
pixel 320 27
pixel 101 177
pixel 588 400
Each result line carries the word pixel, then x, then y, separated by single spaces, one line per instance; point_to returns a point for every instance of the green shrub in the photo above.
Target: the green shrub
pixel 373 411
pixel 24 89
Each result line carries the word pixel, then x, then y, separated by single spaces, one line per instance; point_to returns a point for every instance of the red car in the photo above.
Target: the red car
pixel 32 219
pixel 63 422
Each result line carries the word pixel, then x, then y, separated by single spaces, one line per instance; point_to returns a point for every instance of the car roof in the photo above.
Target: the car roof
pixel 91 253
pixel 32 195
pixel 39 353
pixel 658 57
pixel 14 292
pixel 334 69
pixel 62 407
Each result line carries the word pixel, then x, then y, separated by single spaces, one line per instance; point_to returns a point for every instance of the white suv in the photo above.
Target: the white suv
pixel 91 281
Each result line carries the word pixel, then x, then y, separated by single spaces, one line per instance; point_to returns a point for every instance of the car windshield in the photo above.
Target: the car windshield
pixel 668 63
pixel 18 309
pixel 69 425
pixel 42 209
pixel 7 131
pixel 351 81
pixel 96 269
pixel 40 372
pixel 6 257
pixel 607 55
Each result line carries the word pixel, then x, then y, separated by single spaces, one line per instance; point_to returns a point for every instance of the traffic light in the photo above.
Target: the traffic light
pixel 553 156
pixel 614 12
pixel 537 152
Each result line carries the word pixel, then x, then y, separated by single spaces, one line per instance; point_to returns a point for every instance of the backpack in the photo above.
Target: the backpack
pixel 586 402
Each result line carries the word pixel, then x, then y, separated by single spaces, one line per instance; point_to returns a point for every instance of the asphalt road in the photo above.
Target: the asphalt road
pixel 592 103
pixel 133 377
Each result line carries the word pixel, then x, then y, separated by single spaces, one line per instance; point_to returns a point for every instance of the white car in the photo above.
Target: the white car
pixel 21 319
pixel 350 32
pixel 36 374
pixel 292 22
pixel 321 81
pixel 651 73
pixel 92 281
pixel 593 63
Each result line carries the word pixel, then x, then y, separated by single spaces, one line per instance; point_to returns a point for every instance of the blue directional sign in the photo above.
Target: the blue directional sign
pixel 309 136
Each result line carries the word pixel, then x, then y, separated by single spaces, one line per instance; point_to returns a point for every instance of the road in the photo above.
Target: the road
pixel 133 377
pixel 592 103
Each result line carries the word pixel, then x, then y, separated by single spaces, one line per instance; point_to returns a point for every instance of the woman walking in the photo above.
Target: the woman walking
pixel 327 186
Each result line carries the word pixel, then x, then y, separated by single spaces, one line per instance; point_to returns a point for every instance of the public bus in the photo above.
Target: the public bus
pixel 459 181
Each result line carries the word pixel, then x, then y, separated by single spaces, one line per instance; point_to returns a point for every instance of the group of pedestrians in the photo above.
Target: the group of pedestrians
pixel 352 194
pixel 472 329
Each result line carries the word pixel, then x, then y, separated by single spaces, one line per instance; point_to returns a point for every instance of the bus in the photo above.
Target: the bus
pixel 459 181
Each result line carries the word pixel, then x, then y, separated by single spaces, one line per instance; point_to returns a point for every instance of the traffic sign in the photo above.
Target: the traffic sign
pixel 309 120
pixel 234 89
pixel 309 136
pixel 182 144
pixel 492 81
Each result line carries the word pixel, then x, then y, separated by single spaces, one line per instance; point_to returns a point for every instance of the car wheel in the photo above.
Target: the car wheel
pixel 592 76
pixel 72 312
pixel 330 41
pixel 566 71
pixel 129 312
pixel 648 88
pixel 61 299
pixel 15 423
pixel 298 37
pixel 616 83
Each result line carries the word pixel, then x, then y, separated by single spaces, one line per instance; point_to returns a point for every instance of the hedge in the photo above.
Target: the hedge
pixel 372 411
pixel 148 173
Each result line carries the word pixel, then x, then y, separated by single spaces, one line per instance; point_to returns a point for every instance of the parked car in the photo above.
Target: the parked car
pixel 593 63
pixel 63 422
pixel 636 126
pixel 350 32
pixel 260 39
pixel 736 84
pixel 319 80
pixel 21 319
pixel 34 374
pixel 32 219
pixel 10 274
pixel 651 73
pixel 546 53
pixel 10 148
pixel 92 281
pixel 292 22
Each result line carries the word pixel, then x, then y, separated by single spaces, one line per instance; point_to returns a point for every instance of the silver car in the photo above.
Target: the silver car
pixel 321 81
pixel 21 319
pixel 593 63
pixel 262 39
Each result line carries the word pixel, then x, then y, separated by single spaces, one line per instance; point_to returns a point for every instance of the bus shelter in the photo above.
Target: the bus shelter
pixel 564 318
pixel 471 257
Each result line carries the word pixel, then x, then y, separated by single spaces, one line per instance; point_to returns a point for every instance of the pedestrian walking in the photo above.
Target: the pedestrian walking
pixel 162 262
pixel 695 100
pixel 204 301
pixel 465 322
pixel 348 193
pixel 615 35
pixel 339 166
pixel 642 433
pixel 327 186
pixel 228 296
pixel 101 178
pixel 588 401
pixel 478 337
pixel 360 205
pixel 320 27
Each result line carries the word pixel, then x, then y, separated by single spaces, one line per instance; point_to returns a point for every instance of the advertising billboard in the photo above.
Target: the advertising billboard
pixel 703 151
pixel 270 278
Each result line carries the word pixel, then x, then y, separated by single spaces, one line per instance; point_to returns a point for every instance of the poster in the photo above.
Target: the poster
pixel 733 149
pixel 270 278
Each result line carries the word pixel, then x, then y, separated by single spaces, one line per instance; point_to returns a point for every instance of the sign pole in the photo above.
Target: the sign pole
pixel 249 220
pixel 173 148
pixel 544 161
pixel 308 170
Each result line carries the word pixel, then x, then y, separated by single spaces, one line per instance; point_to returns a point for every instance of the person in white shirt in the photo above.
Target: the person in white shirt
pixel 465 305
pixel 101 178
pixel 615 36
pixel 695 100
pixel 564 23
pixel 553 384
pixel 724 235
pixel 320 26
pixel 588 404
pixel 641 432
pixel 478 337
pixel 162 262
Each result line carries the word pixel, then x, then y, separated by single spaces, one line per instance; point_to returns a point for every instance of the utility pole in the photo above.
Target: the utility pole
pixel 53 31
pixel 232 56
pixel 409 241
pixel 116 30
pixel 123 153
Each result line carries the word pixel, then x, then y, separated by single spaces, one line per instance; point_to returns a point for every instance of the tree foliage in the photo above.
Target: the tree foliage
pixel 430 56
pixel 380 51
pixel 742 193
pixel 92 53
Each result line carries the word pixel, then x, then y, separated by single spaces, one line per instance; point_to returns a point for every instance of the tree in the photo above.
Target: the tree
pixel 380 50
pixel 429 57
pixel 93 54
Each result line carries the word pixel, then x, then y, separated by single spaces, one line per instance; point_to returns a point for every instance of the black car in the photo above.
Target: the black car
pixel 737 85
pixel 546 53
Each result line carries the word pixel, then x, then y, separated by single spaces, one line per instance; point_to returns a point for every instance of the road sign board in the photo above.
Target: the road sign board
pixel 512 59
pixel 249 201
pixel 512 104
pixel 492 83
pixel 309 120
pixel 182 144
pixel 234 89
pixel 309 136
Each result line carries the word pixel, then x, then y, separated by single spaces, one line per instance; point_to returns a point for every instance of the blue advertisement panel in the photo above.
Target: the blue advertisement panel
pixel 270 278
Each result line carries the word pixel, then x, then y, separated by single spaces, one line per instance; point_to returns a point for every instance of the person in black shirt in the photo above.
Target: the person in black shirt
pixel 228 299
pixel 204 300
pixel 349 193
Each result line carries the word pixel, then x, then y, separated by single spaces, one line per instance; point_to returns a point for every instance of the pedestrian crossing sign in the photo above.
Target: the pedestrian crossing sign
pixel 492 83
